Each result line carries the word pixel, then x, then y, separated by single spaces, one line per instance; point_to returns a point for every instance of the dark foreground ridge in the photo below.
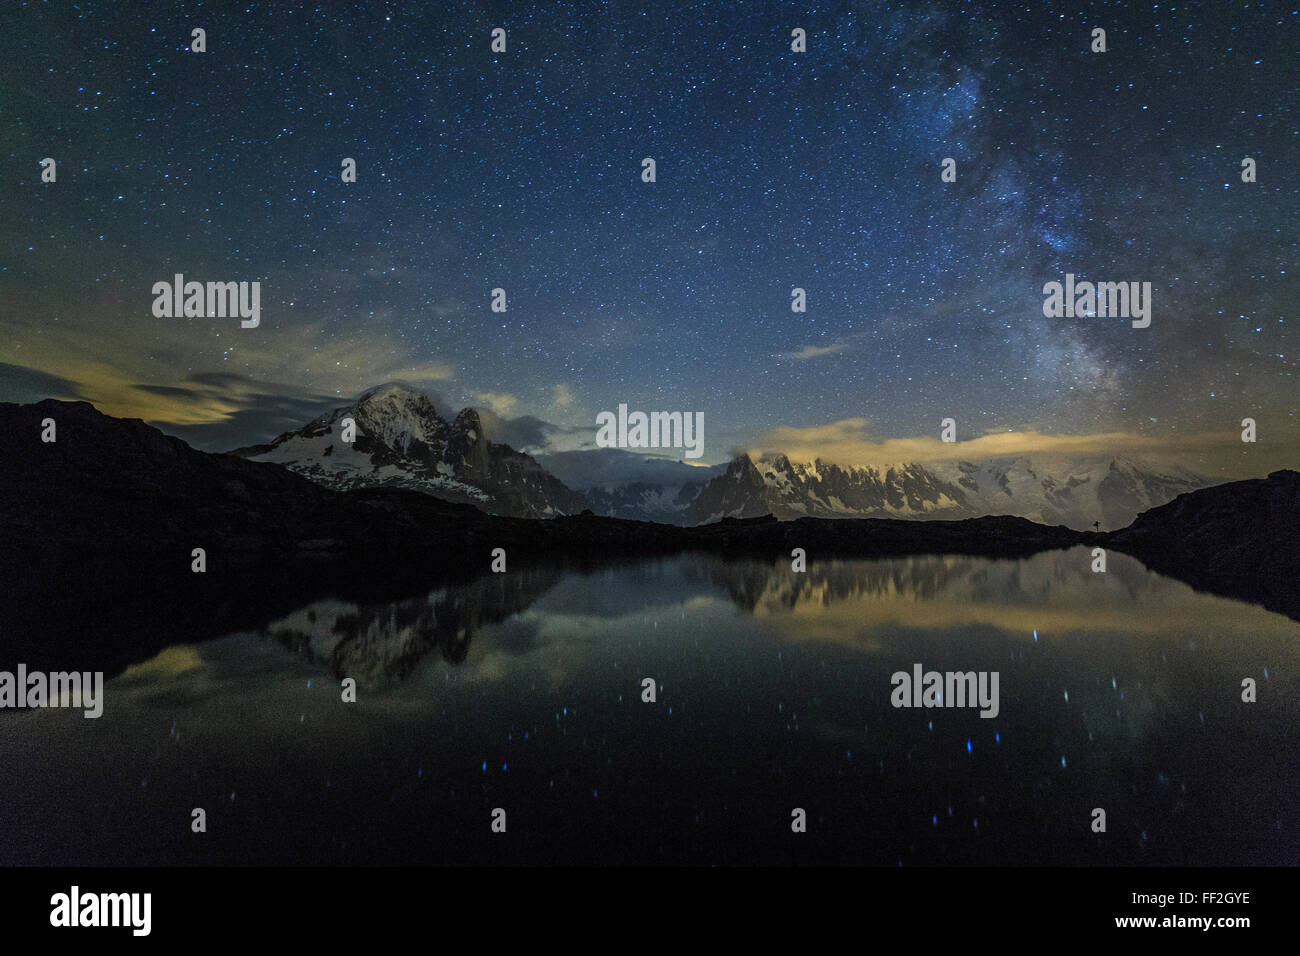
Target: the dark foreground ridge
pixel 1240 539
pixel 97 531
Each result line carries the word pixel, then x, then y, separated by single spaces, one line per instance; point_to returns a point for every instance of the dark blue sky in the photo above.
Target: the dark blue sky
pixel 775 169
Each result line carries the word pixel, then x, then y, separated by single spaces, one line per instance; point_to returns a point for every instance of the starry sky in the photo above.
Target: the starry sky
pixel 775 169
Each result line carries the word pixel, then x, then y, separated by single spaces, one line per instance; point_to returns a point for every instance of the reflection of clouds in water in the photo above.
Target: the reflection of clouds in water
pixel 169 662
pixel 377 644
pixel 613 592
pixel 486 633
pixel 187 675
pixel 1132 681
pixel 781 679
pixel 850 603
pixel 558 637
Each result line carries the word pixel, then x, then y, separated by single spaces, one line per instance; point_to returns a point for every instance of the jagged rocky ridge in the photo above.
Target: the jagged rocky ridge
pixel 402 442
pixel 1105 490
pixel 98 528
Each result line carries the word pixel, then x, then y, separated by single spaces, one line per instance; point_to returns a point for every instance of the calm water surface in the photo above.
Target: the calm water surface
pixel 523 691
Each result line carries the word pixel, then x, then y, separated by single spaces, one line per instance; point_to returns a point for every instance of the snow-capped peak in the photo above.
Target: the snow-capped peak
pixel 397 415
pixel 401 441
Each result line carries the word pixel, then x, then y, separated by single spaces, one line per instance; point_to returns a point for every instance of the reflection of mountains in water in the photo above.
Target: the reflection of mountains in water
pixel 386 641
pixel 383 642
pixel 754 586
pixel 100 575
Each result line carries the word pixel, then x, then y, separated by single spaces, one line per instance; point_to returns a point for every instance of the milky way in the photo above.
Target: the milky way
pixel 775 169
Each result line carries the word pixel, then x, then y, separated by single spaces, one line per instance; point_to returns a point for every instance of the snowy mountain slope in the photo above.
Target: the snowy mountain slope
pixel 401 440
pixel 1076 493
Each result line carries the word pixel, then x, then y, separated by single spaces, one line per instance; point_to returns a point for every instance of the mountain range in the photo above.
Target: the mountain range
pixel 99 530
pixel 402 441
pixel 1078 492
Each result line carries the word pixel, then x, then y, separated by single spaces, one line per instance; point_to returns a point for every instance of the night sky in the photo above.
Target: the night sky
pixel 775 169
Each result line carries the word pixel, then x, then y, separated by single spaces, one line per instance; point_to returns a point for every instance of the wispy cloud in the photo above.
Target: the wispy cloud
pixel 815 351
pixel 849 442
pixel 501 403
pixel 189 372
pixel 562 397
